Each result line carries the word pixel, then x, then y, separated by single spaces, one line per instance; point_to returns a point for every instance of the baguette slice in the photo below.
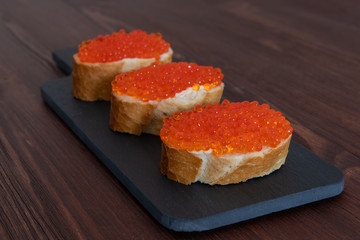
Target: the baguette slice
pixel 132 115
pixel 225 165
pixel 189 167
pixel 92 79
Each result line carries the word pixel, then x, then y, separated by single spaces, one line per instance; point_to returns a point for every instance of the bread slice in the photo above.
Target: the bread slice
pixel 134 116
pixel 224 143
pixel 189 167
pixel 142 98
pixel 92 81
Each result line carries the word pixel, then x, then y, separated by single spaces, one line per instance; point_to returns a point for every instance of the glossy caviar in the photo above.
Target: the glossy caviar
pixel 120 45
pixel 226 128
pixel 163 81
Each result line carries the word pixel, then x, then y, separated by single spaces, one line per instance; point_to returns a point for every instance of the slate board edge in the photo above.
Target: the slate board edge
pixel 256 210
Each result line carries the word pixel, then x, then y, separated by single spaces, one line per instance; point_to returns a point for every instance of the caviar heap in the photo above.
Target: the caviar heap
pixel 120 45
pixel 226 128
pixel 163 81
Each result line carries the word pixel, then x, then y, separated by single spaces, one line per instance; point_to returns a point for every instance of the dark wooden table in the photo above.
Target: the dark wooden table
pixel 302 57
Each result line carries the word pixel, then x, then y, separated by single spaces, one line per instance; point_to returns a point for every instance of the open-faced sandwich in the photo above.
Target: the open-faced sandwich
pixel 142 98
pixel 224 143
pixel 99 60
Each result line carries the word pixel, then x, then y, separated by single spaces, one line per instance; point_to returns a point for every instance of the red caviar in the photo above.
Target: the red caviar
pixel 226 128
pixel 163 81
pixel 120 45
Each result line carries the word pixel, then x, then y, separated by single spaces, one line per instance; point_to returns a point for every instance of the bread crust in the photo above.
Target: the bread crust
pixel 92 81
pixel 188 167
pixel 134 116
pixel 129 115
pixel 179 165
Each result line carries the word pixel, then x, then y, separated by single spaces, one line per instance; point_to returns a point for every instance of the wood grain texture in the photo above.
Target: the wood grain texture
pixel 301 57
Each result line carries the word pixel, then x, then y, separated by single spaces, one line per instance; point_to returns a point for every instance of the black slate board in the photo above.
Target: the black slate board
pixel 135 161
pixel 64 59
